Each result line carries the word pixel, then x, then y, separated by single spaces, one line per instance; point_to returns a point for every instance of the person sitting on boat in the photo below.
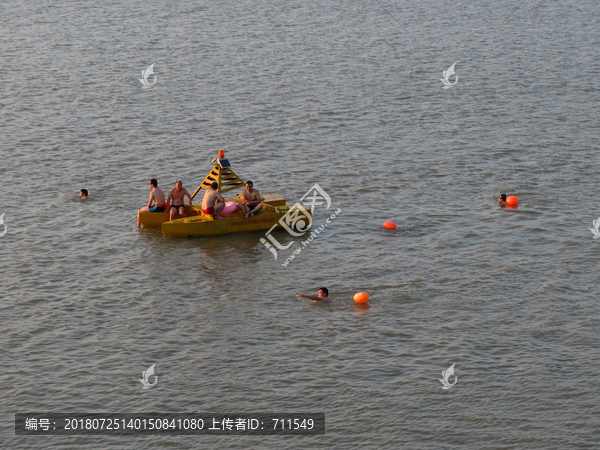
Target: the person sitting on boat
pixel 213 202
pixel 322 297
pixel 157 196
pixel 250 203
pixel 177 197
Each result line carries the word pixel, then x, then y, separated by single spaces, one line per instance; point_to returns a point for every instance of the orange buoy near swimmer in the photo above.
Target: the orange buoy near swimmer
pixel 361 297
pixel 389 225
pixel 512 201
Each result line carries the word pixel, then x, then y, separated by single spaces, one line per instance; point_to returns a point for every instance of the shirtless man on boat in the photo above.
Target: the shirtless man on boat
pixel 250 203
pixel 177 196
pixel 213 202
pixel 157 196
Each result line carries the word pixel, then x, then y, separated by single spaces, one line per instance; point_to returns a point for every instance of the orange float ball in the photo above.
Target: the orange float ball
pixel 390 225
pixel 512 201
pixel 361 297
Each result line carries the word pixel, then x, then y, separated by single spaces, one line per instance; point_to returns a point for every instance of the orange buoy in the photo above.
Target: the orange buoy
pixel 361 297
pixel 221 154
pixel 389 225
pixel 512 201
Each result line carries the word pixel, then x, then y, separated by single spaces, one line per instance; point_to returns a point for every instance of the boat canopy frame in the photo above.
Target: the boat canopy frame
pixel 225 178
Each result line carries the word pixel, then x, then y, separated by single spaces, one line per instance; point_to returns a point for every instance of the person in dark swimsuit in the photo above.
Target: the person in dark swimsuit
pixel 177 196
pixel 156 202
pixel 251 201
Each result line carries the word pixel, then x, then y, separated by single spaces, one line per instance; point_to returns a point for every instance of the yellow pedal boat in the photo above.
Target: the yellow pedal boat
pixel 206 225
pixel 275 213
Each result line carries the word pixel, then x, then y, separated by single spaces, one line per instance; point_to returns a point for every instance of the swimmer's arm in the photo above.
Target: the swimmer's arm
pixel 315 298
pixel 168 202
pixel 219 198
pixel 150 199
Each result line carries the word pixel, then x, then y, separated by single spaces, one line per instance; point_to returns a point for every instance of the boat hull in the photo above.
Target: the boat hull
pixel 205 225
pixel 155 219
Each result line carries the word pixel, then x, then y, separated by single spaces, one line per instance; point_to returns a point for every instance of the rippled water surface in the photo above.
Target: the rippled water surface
pixel 347 95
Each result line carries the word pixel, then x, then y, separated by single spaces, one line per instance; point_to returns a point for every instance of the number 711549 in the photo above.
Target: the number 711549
pixel 293 424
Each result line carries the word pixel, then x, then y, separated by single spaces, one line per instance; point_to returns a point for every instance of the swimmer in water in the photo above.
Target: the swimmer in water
pixel 502 200
pixel 323 296
pixel 83 193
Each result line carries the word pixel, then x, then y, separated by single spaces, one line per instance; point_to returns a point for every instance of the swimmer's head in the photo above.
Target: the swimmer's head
pixel 249 184
pixel 83 193
pixel 502 197
pixel 178 185
pixel 153 183
pixel 214 185
pixel 323 292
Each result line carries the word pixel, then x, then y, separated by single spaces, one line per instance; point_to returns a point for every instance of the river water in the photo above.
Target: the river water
pixel 345 95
